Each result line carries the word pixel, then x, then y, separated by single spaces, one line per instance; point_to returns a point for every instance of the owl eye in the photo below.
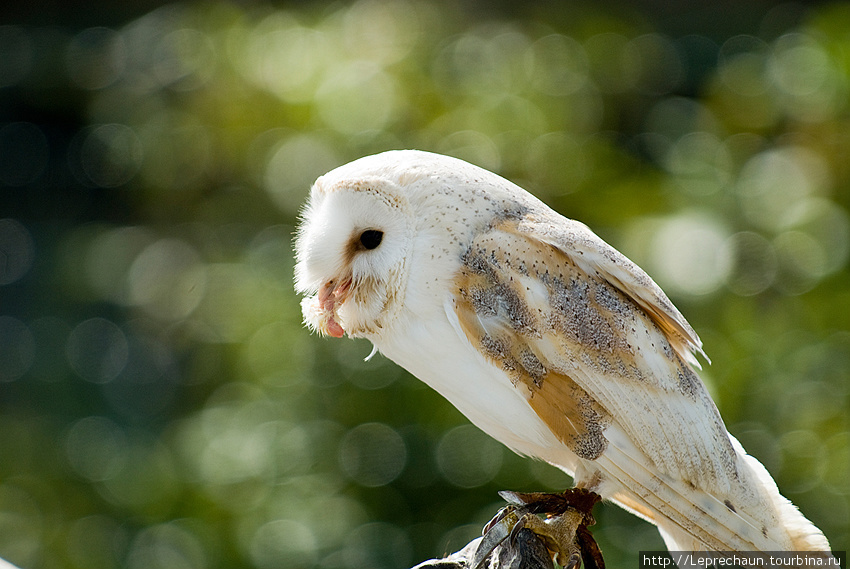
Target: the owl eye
pixel 371 238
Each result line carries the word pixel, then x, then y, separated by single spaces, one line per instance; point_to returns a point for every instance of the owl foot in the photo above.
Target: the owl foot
pixel 519 537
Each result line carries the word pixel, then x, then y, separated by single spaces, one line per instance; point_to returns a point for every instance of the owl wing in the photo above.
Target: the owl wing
pixel 595 256
pixel 603 357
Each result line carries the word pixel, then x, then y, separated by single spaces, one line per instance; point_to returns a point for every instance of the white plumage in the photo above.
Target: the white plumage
pixel 543 335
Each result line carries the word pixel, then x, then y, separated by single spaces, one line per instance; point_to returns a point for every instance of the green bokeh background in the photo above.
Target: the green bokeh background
pixel 161 405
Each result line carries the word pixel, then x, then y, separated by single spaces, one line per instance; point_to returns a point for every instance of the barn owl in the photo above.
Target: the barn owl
pixel 542 335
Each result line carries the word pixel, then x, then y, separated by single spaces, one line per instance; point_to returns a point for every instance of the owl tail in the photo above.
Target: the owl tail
pixel 692 519
pixel 804 535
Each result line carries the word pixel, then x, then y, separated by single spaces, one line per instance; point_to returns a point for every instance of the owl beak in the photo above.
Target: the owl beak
pixel 330 296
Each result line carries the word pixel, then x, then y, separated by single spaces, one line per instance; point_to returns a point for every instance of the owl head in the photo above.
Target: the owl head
pixel 352 246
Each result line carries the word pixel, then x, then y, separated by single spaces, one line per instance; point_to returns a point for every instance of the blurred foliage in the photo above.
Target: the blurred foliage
pixel 161 405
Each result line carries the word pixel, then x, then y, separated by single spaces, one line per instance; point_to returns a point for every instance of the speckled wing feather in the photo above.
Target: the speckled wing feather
pixel 601 354
pixel 594 256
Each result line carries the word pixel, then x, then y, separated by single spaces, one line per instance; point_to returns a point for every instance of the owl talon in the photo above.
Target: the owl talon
pixel 495 533
pixel 563 533
pixel 574 562
pixel 519 525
